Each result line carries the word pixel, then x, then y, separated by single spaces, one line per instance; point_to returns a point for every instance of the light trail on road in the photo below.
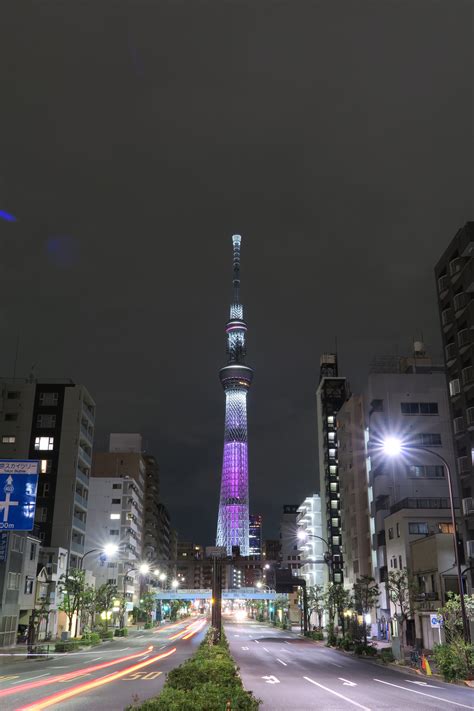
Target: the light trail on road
pixel 71 675
pixel 89 685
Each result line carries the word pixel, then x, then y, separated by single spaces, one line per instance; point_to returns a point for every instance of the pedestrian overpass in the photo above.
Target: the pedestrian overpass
pixel 206 594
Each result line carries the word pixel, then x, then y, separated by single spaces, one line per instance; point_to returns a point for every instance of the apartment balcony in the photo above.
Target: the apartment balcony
pixel 411 503
pixel 450 353
pixel 468 376
pixel 79 523
pixel 88 411
pixel 83 478
pixel 77 547
pixel 468 506
pixel 460 302
pixel 85 456
pixel 455 268
pixel 78 499
pixel 464 338
pixel 447 317
pixel 443 285
pixel 464 466
pixel 470 418
pixel 86 434
pixel 459 425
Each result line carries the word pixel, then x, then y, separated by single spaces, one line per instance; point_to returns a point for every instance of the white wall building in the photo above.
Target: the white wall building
pixel 312 549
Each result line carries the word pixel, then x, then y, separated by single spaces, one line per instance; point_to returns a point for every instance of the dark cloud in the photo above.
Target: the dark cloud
pixel 335 137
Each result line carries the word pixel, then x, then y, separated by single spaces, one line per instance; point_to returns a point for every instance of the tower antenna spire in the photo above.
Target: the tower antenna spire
pixel 236 240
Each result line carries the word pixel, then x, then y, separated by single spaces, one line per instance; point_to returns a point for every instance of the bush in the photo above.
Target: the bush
pixel 345 643
pixel 206 682
pixel 109 634
pixel 121 632
pixel 68 645
pixel 386 655
pixel 147 626
pixel 455 660
pixel 365 650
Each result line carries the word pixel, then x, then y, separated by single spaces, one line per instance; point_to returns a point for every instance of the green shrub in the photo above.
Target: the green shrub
pixel 121 632
pixel 207 697
pixel 148 626
pixel 67 645
pixel 107 634
pixel 455 660
pixel 365 650
pixel 386 655
pixel 345 643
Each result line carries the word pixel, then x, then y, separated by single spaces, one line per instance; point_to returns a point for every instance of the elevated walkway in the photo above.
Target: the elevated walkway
pixel 206 594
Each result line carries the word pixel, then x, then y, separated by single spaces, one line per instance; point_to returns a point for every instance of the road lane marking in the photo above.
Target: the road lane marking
pixel 7 678
pixel 256 641
pixel 341 696
pixel 122 649
pixel 284 663
pixel 286 642
pixel 245 649
pixel 96 658
pixel 422 693
pixel 265 649
pixel 271 679
pixel 144 676
pixel 139 635
pixel 335 664
pixel 347 682
pixel 31 678
pixel 422 683
pixel 89 685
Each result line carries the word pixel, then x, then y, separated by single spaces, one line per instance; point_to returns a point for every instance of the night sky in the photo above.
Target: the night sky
pixel 137 137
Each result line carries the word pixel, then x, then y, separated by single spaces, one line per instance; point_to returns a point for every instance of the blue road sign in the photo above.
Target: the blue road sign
pixel 18 488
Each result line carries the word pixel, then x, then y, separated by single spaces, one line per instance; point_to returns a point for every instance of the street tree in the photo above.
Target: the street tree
pixel 402 590
pixel 365 596
pixel 336 600
pixel 451 615
pixel 148 604
pixel 71 587
pixel 316 598
pixel 105 596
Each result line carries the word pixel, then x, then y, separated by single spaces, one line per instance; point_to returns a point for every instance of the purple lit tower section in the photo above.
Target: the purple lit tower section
pixel 236 377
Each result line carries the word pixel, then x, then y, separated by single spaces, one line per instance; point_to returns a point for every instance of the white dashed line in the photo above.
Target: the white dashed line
pixel 95 659
pixel 265 649
pixel 422 693
pixel 284 663
pixel 30 678
pixel 341 696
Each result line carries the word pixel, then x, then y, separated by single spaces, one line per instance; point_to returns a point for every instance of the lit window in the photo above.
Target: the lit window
pixel 44 443
pixel 335 522
pixel 331 436
pixel 8 439
pixel 445 528
pixel 45 467
pixel 332 469
pixel 330 419
pixel 48 399
pixel 332 453
pixel 46 421
pixel 115 516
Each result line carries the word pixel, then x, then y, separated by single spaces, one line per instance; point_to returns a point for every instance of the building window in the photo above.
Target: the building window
pixel 45 466
pixel 46 421
pixel 410 408
pixel 428 439
pixel 398 530
pixel 426 471
pixel 114 531
pixel 111 565
pixel 331 437
pixel 115 501
pixel 445 528
pixel 332 453
pixel 29 586
pixel 419 408
pixel 115 516
pixel 32 551
pixel 41 514
pixel 390 534
pixel 400 561
pixel 418 528
pixel 13 395
pixel 428 408
pixel 332 469
pixel 44 444
pixel 116 486
pixel 49 399
pixel 112 581
pixel 454 387
pixel 17 543
pixel 394 561
pixel 11 416
pixel 336 540
pixel 337 577
pixel 13 582
pixel 45 490
pixel 8 439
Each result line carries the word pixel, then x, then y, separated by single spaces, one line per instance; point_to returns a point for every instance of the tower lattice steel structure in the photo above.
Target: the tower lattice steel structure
pixel 236 377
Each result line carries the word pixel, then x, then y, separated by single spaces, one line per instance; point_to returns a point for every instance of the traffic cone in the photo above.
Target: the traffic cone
pixel 425 665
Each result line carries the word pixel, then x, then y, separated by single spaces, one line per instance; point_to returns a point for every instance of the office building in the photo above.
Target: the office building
pixel 330 396
pixel 255 535
pixel 455 286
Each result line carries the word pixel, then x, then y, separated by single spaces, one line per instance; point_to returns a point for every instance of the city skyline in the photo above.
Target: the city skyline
pixel 347 191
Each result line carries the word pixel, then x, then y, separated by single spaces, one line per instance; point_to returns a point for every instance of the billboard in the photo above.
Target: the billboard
pixel 18 489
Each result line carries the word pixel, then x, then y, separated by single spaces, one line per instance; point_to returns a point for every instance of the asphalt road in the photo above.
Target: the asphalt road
pixel 291 673
pixel 108 677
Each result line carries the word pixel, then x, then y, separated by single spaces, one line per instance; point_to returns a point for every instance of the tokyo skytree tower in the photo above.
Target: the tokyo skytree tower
pixel 236 377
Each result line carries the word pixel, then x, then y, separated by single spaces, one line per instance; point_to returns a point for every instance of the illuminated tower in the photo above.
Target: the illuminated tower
pixel 233 520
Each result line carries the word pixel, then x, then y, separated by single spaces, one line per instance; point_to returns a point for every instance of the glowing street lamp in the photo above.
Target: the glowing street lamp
pixel 156 572
pixel 395 447
pixel 174 583
pixel 109 550
pixel 162 577
pixel 143 569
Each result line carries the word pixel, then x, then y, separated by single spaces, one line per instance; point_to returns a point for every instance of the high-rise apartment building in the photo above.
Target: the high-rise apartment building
pixel 330 396
pixel 255 534
pixel 455 286
pixel 353 484
pixel 408 495
pixel 152 501
pixel 312 547
pixel 52 421
pixel 290 545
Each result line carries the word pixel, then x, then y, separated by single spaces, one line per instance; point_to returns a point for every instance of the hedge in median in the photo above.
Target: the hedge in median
pixel 206 682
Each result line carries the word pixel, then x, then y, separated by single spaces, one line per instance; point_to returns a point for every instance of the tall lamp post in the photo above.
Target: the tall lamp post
pixel 394 447
pixel 143 569
pixel 109 550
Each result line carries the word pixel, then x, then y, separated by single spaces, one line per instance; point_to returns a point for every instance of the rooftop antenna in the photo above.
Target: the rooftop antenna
pixel 236 240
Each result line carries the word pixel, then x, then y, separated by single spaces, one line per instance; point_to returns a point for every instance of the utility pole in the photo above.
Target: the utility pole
pixel 216 616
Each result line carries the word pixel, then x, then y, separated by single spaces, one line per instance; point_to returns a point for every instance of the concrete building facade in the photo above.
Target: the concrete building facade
pixel 312 548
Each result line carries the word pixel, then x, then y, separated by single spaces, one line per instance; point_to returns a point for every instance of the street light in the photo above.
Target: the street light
pixel 303 535
pixel 143 569
pixel 109 550
pixel 175 583
pixel 395 447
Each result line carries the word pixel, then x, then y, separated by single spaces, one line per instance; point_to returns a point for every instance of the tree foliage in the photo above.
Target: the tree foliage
pixel 71 587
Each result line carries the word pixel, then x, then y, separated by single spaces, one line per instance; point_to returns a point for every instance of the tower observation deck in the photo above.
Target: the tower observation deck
pixel 236 377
